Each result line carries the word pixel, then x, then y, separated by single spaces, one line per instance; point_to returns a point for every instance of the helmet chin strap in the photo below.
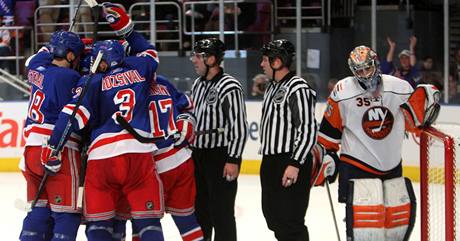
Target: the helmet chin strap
pixel 205 60
pixel 71 62
pixel 273 69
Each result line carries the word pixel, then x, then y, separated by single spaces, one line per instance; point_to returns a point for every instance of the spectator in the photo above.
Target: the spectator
pixel 454 67
pixel 429 75
pixel 5 50
pixel 407 60
pixel 46 16
pixel 454 93
pixel 259 85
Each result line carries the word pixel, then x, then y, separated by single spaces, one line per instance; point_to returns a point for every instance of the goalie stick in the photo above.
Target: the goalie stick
pixel 24 205
pixel 332 209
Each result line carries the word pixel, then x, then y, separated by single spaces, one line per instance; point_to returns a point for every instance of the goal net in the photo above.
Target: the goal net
pixel 439 184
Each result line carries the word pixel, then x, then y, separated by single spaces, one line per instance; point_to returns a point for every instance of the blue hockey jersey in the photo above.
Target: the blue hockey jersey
pixel 124 91
pixel 51 89
pixel 166 103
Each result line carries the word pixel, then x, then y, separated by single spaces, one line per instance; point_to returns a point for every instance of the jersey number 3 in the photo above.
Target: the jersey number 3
pixel 126 98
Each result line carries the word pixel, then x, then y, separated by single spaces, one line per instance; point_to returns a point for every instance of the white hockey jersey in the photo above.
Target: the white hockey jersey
pixel 370 129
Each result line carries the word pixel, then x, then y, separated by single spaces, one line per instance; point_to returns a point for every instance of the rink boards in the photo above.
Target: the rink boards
pixel 12 115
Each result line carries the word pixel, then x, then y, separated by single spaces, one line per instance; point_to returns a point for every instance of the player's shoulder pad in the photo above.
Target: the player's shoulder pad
pixel 396 85
pixel 346 88
pixel 42 58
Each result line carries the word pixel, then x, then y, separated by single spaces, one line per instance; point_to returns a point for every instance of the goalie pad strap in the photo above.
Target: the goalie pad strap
pixel 365 210
pixel 400 208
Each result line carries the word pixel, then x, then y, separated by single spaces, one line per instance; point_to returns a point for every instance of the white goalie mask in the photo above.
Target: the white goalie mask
pixel 365 66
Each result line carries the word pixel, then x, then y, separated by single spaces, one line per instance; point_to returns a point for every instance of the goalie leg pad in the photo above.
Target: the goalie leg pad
pixel 400 207
pixel 365 215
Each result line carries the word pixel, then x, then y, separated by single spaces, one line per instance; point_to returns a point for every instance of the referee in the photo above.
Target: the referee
pixel 288 133
pixel 221 135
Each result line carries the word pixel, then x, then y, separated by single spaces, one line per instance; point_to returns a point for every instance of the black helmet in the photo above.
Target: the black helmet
pixel 210 46
pixel 280 48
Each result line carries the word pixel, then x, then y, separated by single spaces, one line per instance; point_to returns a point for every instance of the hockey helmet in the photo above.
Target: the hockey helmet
pixel 210 46
pixel 280 48
pixel 361 61
pixel 62 41
pixel 112 52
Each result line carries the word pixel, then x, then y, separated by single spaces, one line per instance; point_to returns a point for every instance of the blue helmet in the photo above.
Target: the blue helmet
pixel 112 52
pixel 62 41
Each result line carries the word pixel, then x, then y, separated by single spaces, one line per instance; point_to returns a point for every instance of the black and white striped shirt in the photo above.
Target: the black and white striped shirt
pixel 288 122
pixel 221 114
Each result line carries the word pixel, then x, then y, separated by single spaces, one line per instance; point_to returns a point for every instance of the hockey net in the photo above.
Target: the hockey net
pixel 439 185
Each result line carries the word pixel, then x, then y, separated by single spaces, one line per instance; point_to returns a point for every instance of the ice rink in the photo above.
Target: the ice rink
pixel 250 221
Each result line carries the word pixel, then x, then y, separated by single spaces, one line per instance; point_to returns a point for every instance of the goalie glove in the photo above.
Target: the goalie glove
pixel 422 107
pixel 50 161
pixel 118 19
pixel 185 124
pixel 324 166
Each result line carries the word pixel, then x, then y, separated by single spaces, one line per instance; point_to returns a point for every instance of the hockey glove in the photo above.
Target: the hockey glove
pixel 422 107
pixel 185 124
pixel 118 19
pixel 327 169
pixel 52 163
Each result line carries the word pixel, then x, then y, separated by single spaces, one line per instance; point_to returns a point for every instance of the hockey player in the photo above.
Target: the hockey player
pixel 173 157
pixel 118 165
pixel 53 78
pixel 169 112
pixel 365 117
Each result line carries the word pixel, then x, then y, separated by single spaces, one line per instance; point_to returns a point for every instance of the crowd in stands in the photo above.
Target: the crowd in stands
pixel 404 65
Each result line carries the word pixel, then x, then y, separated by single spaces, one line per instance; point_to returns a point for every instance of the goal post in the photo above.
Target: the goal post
pixel 438 181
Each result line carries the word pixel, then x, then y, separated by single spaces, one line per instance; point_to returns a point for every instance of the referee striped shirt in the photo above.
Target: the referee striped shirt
pixel 221 114
pixel 288 122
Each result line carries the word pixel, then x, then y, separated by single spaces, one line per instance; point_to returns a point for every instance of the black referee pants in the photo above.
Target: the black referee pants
pixel 215 197
pixel 284 209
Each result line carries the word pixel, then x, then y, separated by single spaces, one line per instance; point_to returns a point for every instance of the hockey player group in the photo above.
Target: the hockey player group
pixel 101 118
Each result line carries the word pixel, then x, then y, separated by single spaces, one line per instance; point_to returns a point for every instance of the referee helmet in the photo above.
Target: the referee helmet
pixel 280 48
pixel 210 46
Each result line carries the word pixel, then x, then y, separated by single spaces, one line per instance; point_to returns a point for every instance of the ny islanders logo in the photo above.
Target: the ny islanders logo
pixel 377 122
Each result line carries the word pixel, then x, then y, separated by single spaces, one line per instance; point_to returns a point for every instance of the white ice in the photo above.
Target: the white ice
pixel 250 221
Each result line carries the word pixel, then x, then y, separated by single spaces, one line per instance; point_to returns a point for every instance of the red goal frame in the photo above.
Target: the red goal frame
pixel 449 182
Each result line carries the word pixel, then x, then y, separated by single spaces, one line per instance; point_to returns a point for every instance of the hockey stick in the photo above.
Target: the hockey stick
pixel 81 177
pixel 209 132
pixel 65 133
pixel 91 3
pixel 332 209
pixel 142 139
